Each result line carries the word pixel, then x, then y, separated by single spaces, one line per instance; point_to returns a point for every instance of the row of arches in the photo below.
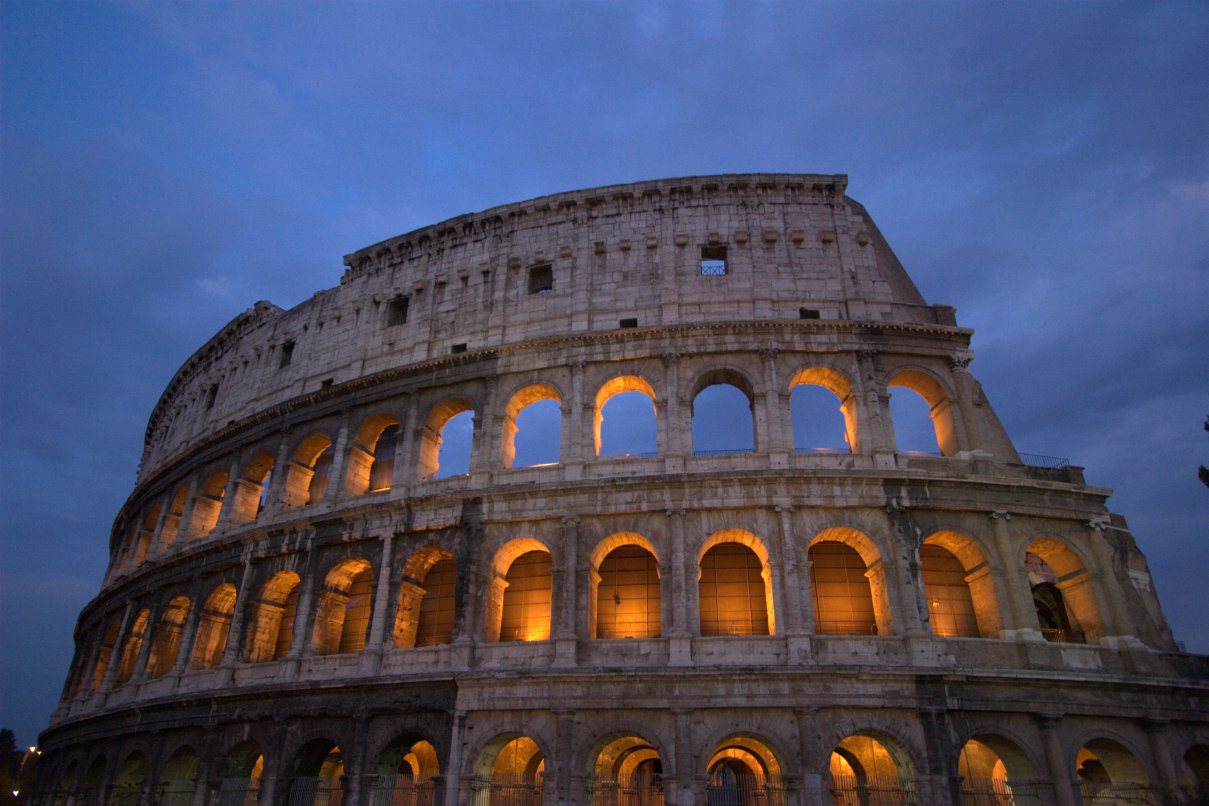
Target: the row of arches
pixel 823 417
pixel 627 597
pixel 743 769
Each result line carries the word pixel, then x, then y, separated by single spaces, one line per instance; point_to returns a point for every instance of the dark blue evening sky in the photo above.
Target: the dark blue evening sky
pixel 1042 167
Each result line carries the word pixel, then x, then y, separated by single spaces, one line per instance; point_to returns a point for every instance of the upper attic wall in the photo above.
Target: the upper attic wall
pixel 477 281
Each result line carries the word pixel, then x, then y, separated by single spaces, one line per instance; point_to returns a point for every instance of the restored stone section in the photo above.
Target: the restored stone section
pixel 310 598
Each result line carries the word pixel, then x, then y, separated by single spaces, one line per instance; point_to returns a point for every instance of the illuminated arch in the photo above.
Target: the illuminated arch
pixel 406 769
pixel 104 654
pixel 616 386
pixel 744 770
pixel 430 434
pixel 172 518
pixel 213 627
pixel 743 606
pixel 250 488
pixel 519 594
pixel 959 587
pixel 626 768
pixel 1108 771
pixel 371 457
pixel 272 627
pixel 870 764
pixel 836 383
pixel 848 583
pixel 995 770
pixel 143 535
pixel 343 608
pixel 306 477
pixel 1194 772
pixel 511 767
pixel 131 646
pixel 624 597
pixel 128 781
pixel 165 643
pixel 426 612
pixel 520 400
pixel 318 775
pixel 1063 594
pixel 207 504
pixel 239 782
pixel 938 400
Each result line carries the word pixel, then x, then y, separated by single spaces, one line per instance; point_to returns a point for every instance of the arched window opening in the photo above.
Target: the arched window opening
pixel 128 783
pixel 407 775
pixel 732 592
pixel 131 647
pixel 446 439
pixel 743 771
pixel 1109 773
pixel 525 613
pixel 90 785
pixel 624 419
pixel 436 618
pixel 318 775
pixel 532 426
pixel 950 606
pixel 104 653
pixel 516 774
pixel 995 772
pixel 819 425
pixel 627 771
pixel 306 479
pixel 342 614
pixel 371 459
pixel 143 536
pixel 65 786
pixel 865 770
pixel 843 597
pixel 172 519
pixel 213 628
pixel 177 779
pixel 923 421
pixel 165 643
pixel 1194 773
pixel 722 421
pixel 251 489
pixel 207 506
pixel 239 784
pixel 1062 593
pixel 627 594
pixel 272 627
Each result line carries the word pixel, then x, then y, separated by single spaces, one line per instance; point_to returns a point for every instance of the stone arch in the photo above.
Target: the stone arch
pixel 430 435
pixel 250 488
pixel 618 385
pixel 177 778
pixel 240 774
pixel 426 612
pixel 213 627
pixel 869 764
pixel 521 399
pixel 740 437
pixel 994 769
pixel 272 627
pixel 624 595
pixel 207 504
pixel 511 766
pixel 406 772
pixel 128 780
pixel 744 769
pixel 939 402
pixel 131 645
pixel 848 583
pixel 90 784
pixel 838 384
pixel 1194 772
pixel 1064 596
pixel 343 608
pixel 166 640
pixel 625 767
pixel 306 478
pixel 317 774
pixel 143 536
pixel 104 654
pixel 955 568
pixel 743 606
pixel 371 457
pixel 519 597
pixel 172 518
pixel 1108 770
pixel 65 784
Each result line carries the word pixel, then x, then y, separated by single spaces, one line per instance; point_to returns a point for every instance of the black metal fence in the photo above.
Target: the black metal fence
pixel 997 792
pixel 636 790
pixel 405 790
pixel 308 791
pixel 238 792
pixel 746 791
pixel 506 790
pixel 853 790
pixel 1095 794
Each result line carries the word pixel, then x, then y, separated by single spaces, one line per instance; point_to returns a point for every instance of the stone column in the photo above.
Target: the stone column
pixel 230 493
pixel 573 451
pixel 670 418
pixel 683 794
pixel 340 459
pixel 140 663
pixel 776 440
pixel 1164 765
pixel 797 620
pixel 1016 600
pixel 453 766
pixel 274 497
pixel 1118 623
pixel 301 637
pixel 563 592
pixel 154 549
pixel 234 648
pixel 565 731
pixel 115 653
pixel 184 650
pixel 1059 769
pixel 406 469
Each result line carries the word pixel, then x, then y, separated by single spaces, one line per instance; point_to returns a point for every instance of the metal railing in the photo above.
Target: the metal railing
pixel 637 790
pixel 746 791
pixel 998 792
pixel 238 792
pixel 175 793
pixel 830 626
pixel 405 790
pixel 1096 794
pixel 724 452
pixel 852 790
pixel 506 790
pixel 715 627
pixel 1037 460
pixel 311 791
pixel 844 449
pixel 1059 636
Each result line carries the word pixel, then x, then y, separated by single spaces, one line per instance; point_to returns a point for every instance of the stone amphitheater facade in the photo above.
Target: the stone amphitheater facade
pixel 305 606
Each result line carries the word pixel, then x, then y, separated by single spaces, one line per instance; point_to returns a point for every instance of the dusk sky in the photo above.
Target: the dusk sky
pixel 1044 168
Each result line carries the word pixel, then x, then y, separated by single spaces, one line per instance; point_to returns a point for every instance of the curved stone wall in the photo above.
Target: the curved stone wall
pixel 304 604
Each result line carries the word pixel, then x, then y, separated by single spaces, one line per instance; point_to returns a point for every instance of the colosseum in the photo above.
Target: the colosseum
pixel 459 531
